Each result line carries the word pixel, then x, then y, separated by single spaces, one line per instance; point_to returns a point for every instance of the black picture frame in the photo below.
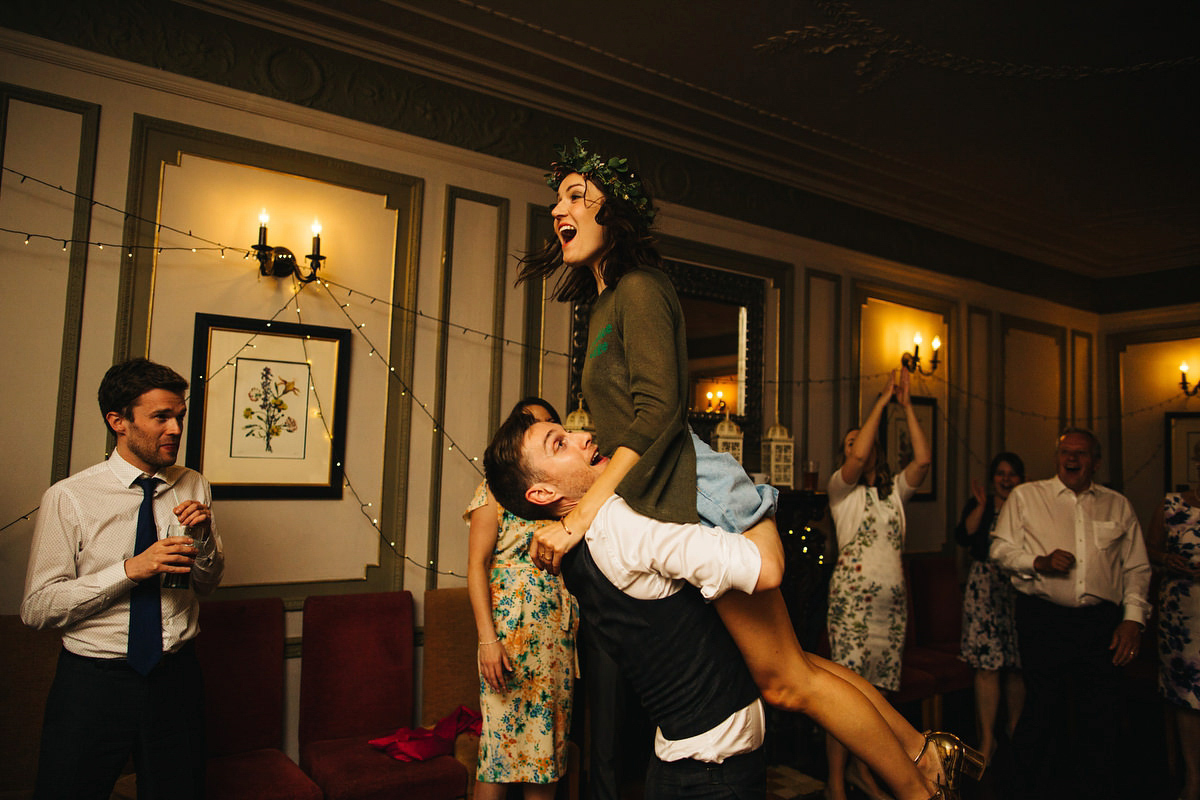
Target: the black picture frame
pixel 1182 440
pixel 894 431
pixel 228 414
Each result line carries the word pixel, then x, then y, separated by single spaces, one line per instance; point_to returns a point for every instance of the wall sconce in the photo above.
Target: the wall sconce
pixel 912 361
pixel 1183 381
pixel 280 262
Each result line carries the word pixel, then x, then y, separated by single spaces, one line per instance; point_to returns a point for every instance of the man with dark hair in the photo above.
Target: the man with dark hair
pixel 644 587
pixel 1078 560
pixel 128 682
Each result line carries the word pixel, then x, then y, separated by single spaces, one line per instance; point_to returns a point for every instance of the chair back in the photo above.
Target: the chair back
pixel 28 659
pixel 356 673
pixel 240 648
pixel 936 596
pixel 450 677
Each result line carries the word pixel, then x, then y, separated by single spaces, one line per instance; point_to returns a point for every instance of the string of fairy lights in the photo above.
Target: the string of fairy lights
pixel 327 286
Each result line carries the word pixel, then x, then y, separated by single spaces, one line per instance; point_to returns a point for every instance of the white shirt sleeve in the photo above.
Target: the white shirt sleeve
pixel 648 559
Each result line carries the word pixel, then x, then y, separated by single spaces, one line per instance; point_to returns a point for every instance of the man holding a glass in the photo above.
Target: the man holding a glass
pixel 128 681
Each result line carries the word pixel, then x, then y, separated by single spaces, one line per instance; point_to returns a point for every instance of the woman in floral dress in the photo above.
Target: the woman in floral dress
pixel 526 623
pixel 1173 544
pixel 989 629
pixel 867 599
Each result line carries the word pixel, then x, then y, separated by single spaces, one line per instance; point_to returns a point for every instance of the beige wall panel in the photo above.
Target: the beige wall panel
pixel 221 202
pixel 1150 389
pixel 824 343
pixel 43 143
pixel 1082 372
pixel 468 378
pixel 1033 385
pixel 978 410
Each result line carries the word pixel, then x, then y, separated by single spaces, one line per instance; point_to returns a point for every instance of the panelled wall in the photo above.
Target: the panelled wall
pixel 420 241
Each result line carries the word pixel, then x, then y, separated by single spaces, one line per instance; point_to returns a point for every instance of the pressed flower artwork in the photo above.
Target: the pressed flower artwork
pixel 272 398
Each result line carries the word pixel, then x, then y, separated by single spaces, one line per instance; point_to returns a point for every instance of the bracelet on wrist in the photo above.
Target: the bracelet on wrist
pixel 563 521
pixel 493 641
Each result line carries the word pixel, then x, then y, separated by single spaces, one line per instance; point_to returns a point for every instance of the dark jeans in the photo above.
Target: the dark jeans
pixel 100 712
pixel 737 778
pixel 1066 741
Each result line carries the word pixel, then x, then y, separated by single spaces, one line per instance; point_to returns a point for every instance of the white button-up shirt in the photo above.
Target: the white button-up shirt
pixel 86 528
pixel 1097 526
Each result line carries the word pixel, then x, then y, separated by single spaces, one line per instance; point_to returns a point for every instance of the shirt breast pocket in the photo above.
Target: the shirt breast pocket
pixel 1106 534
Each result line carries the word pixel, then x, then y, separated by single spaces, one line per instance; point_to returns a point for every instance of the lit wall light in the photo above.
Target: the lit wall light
pixel 912 361
pixel 1183 381
pixel 280 262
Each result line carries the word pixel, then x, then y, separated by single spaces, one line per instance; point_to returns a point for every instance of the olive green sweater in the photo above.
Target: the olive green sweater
pixel 635 382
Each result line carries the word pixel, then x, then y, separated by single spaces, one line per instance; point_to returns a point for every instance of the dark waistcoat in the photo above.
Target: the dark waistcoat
pixel 674 651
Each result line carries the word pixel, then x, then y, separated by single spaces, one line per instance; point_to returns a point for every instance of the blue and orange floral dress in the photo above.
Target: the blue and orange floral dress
pixel 1179 609
pixel 525 727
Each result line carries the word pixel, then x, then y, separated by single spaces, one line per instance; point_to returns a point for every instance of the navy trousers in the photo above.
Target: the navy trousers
pixel 742 777
pixel 1066 741
pixel 100 712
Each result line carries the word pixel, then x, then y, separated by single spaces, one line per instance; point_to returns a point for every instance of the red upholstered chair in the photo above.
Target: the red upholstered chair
pixel 27 662
pixel 933 639
pixel 240 648
pixel 356 684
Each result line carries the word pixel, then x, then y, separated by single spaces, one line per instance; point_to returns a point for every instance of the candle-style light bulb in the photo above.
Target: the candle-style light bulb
pixel 263 219
pixel 316 243
pixel 917 339
pixel 1183 368
pixel 937 344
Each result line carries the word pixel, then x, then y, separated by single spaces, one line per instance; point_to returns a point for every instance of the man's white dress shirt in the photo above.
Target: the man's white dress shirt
pixel 86 528
pixel 1098 526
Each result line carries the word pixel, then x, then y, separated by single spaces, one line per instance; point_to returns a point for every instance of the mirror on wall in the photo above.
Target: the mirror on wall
pixel 724 313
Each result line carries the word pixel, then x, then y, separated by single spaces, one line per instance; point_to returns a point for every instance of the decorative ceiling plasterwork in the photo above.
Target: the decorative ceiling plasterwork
pixel 882 52
pixel 257 57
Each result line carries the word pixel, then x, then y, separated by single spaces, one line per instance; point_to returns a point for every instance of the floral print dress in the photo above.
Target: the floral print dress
pixel 1179 609
pixel 525 727
pixel 989 629
pixel 868 605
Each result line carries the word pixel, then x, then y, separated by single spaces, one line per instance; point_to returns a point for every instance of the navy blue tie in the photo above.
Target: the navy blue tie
pixel 145 611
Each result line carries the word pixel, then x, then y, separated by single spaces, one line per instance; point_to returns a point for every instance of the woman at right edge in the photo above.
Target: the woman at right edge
pixel 602 224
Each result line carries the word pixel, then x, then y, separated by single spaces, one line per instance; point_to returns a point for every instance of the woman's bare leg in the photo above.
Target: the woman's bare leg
pixel 987 707
pixel 540 791
pixel 1014 698
pixel 840 701
pixel 1188 725
pixel 490 791
pixel 837 755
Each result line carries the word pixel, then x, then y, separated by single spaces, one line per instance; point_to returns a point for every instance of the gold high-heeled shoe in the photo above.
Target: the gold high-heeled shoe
pixel 953 757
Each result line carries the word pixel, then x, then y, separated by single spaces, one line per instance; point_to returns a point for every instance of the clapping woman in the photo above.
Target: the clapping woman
pixel 989 630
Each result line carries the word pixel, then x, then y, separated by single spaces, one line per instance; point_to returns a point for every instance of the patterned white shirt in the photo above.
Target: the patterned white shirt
pixel 1097 526
pixel 86 528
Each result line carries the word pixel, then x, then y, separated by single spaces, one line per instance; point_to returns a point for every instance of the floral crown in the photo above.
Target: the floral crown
pixel 614 174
